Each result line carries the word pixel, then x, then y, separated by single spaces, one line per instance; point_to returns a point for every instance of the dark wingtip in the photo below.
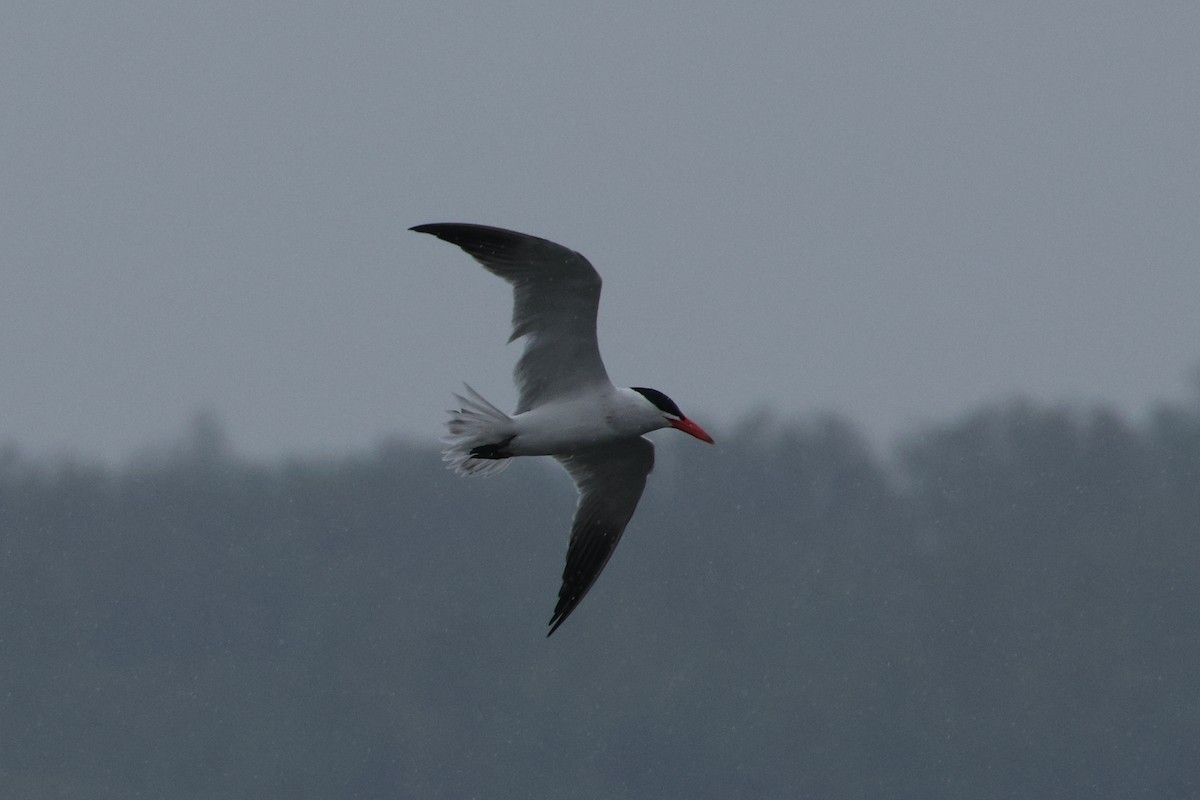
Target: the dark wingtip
pixel 560 615
pixel 442 229
pixel 477 240
pixel 467 229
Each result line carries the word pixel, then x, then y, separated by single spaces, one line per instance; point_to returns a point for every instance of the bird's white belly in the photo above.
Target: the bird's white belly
pixel 569 426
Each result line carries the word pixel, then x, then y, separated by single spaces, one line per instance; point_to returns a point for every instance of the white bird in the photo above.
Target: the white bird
pixel 568 408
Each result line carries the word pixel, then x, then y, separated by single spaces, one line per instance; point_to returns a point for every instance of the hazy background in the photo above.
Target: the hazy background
pixel 892 210
pixel 1010 609
pixel 902 213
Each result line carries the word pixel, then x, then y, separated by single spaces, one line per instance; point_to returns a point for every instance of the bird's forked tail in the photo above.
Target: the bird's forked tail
pixel 478 435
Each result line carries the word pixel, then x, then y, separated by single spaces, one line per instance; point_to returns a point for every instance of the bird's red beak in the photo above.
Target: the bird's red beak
pixel 691 429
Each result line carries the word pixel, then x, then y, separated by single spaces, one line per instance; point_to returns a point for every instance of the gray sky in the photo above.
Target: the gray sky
pixel 888 210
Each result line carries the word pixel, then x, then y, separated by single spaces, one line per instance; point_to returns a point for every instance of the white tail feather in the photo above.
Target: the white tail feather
pixel 477 423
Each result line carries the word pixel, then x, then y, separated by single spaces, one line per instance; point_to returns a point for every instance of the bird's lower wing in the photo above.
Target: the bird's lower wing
pixel 610 480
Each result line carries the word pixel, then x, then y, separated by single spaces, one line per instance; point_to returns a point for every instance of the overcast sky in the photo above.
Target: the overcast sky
pixel 889 210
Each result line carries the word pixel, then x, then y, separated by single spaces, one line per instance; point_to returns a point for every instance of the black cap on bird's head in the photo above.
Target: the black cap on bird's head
pixel 675 418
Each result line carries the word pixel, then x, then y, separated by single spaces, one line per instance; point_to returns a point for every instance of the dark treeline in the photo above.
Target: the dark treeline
pixel 1005 606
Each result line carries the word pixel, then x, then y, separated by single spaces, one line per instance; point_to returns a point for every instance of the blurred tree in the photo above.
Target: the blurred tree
pixel 1008 609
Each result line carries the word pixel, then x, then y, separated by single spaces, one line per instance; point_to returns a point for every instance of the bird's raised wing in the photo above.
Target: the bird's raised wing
pixel 555 296
pixel 610 479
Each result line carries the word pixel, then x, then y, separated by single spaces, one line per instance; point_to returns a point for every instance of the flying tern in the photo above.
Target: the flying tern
pixel 567 407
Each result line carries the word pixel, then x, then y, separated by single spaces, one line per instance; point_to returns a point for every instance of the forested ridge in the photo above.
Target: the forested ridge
pixel 1005 605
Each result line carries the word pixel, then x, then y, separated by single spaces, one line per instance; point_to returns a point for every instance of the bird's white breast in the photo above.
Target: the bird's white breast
pixel 584 420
